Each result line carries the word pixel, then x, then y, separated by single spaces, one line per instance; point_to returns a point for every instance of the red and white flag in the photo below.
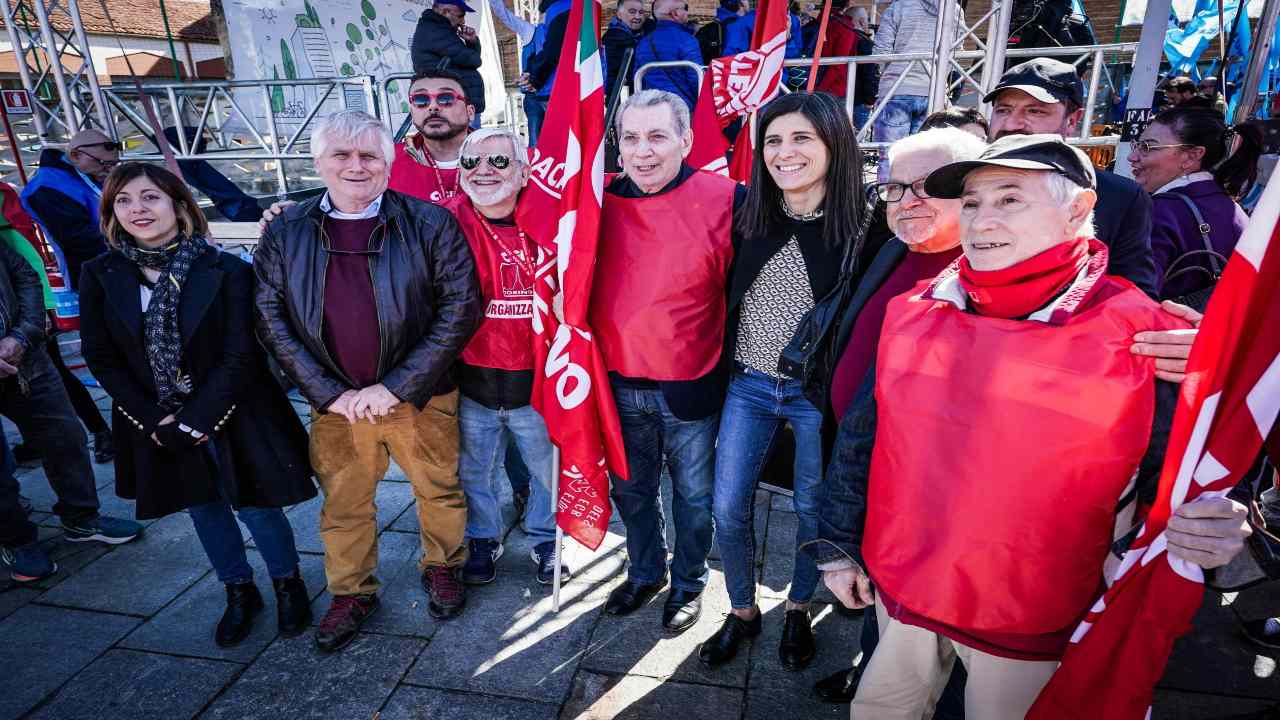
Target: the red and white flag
pixel 744 82
pixel 560 209
pixel 1227 406
pixel 709 145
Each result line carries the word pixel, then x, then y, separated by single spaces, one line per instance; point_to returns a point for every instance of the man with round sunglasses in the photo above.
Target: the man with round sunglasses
pixel 443 40
pixel 427 160
pixel 495 370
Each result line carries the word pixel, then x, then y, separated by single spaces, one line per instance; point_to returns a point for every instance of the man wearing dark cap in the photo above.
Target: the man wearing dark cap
pixel 1028 398
pixel 442 42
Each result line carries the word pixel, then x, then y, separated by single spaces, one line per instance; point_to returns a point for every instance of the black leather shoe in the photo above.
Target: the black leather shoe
pixel 243 603
pixel 797 647
pixel 681 610
pixel 721 647
pixel 839 687
pixel 629 597
pixel 293 607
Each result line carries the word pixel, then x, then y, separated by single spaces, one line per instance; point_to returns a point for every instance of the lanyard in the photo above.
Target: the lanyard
pixel 431 161
pixel 523 258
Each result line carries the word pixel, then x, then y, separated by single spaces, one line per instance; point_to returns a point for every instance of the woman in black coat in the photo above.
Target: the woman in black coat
pixel 199 423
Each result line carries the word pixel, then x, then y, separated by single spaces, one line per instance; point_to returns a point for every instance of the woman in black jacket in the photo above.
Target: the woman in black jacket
pixel 199 422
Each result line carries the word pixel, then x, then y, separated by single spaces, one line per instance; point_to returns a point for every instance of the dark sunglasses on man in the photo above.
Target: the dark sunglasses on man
pixel 497 162
pixel 444 98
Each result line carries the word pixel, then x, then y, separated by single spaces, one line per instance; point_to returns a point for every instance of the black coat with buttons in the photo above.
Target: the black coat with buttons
pixel 258 448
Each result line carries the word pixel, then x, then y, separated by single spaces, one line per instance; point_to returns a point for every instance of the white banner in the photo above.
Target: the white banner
pixel 1135 11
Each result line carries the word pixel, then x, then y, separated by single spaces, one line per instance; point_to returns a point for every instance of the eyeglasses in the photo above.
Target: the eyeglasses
pixel 497 162
pixel 444 98
pixel 895 191
pixel 1144 147
pixel 109 146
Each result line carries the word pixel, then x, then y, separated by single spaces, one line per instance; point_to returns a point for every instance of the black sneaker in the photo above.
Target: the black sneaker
pixel 103 529
pixel 544 554
pixel 482 558
pixel 104 450
pixel 27 563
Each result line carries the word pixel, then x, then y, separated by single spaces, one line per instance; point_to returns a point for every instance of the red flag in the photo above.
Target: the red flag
pixel 560 209
pixel 744 82
pixel 740 170
pixel 709 145
pixel 1228 404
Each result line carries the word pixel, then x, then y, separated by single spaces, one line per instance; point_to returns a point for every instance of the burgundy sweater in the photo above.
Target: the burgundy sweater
pixel 350 311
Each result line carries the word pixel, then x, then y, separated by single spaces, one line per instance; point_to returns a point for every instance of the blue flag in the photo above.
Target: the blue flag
pixel 1184 46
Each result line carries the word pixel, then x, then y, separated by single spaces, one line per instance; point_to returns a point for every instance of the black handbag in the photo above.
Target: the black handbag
pixel 803 356
pixel 1198 299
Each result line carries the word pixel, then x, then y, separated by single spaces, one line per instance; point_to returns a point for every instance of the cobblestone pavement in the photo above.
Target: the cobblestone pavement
pixel 127 632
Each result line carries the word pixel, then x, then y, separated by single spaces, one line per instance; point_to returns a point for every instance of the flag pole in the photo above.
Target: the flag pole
pixel 555 502
pixel 817 51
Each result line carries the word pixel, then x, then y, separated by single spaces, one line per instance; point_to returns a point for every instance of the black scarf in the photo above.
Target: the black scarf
pixel 160 324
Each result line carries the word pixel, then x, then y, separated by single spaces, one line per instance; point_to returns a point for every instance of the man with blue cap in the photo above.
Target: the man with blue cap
pixel 442 41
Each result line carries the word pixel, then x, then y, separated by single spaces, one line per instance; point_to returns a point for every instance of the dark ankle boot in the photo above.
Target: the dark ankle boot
pixel 243 603
pixel 293 605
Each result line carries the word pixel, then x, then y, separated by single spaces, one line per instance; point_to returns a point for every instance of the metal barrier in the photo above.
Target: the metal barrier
pixel 216 105
pixel 984 58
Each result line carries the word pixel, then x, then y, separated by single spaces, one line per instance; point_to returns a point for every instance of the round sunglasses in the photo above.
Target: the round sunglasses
pixel 497 162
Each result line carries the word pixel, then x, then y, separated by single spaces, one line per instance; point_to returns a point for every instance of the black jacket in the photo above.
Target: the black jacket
pixel 258 449
pixel 436 46
pixel 21 299
pixel 617 39
pixel 425 287
pixel 1122 221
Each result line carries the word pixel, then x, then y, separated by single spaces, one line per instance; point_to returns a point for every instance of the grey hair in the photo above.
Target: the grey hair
pixel 654 98
pixel 350 126
pixel 1064 191
pixel 519 149
pixel 953 143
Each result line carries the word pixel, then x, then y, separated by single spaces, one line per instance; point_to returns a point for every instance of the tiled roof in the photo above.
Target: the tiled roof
pixel 188 19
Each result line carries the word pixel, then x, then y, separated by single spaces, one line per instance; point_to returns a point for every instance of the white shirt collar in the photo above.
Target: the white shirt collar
pixel 326 206
pixel 1183 180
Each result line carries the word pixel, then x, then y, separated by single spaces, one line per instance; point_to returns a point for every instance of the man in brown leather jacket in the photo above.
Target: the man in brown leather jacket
pixel 366 297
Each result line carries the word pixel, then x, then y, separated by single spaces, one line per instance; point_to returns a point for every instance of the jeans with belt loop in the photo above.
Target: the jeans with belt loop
pixel 756 407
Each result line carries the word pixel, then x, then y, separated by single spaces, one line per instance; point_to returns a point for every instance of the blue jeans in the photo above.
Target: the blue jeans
pixel 535 110
pixel 860 114
pixel 517 471
pixel 216 526
pixel 484 434
pixel 651 433
pixel 901 116
pixel 755 409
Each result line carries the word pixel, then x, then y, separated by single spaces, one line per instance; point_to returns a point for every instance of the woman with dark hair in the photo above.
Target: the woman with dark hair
pixel 199 423
pixel 964 118
pixel 1195 167
pixel 803 207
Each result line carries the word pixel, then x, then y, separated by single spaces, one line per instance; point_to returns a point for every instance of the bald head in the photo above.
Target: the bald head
pixel 677 10
pixel 860 18
pixel 93 153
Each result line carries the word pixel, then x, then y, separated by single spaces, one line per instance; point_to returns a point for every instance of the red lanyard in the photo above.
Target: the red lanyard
pixel 524 258
pixel 431 161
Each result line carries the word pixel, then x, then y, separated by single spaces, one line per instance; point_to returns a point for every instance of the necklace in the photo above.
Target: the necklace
pixel 523 258
pixel 435 168
pixel 805 217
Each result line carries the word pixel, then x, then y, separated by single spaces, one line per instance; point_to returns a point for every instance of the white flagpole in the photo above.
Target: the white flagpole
pixel 555 502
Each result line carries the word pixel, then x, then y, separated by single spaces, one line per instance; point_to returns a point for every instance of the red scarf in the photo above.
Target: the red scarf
pixel 1023 288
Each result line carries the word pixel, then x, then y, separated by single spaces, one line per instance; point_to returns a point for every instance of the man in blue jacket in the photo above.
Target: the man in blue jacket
pixel 671 40
pixel 540 65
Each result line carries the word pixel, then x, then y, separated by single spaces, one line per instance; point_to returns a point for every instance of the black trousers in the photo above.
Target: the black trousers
pixel 15 528
pixel 36 401
pixel 86 409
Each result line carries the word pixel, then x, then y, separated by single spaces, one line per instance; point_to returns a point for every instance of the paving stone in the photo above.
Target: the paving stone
pixel 629 697
pixel 35 485
pixel 291 679
pixel 392 498
pixel 13 596
pixel 185 626
pixel 779 555
pixel 607 562
pixel 1216 658
pixel 637 644
pixel 774 692
pixel 419 703
pixel 123 685
pixel 57 644
pixel 69 557
pixel 141 577
pixel 510 643
pixel 403 609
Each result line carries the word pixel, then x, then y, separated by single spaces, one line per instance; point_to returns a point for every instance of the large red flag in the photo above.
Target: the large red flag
pixel 744 82
pixel 560 209
pixel 1227 405
pixel 709 145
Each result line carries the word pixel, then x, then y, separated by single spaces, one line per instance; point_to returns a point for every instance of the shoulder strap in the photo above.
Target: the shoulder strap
pixel 1215 259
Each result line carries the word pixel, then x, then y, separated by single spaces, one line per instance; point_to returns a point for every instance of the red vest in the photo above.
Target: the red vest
pixel 658 297
pixel 505 337
pixel 1002 449
pixel 412 174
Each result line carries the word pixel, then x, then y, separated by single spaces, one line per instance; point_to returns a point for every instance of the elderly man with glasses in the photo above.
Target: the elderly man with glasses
pixel 495 372
pixel 366 297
